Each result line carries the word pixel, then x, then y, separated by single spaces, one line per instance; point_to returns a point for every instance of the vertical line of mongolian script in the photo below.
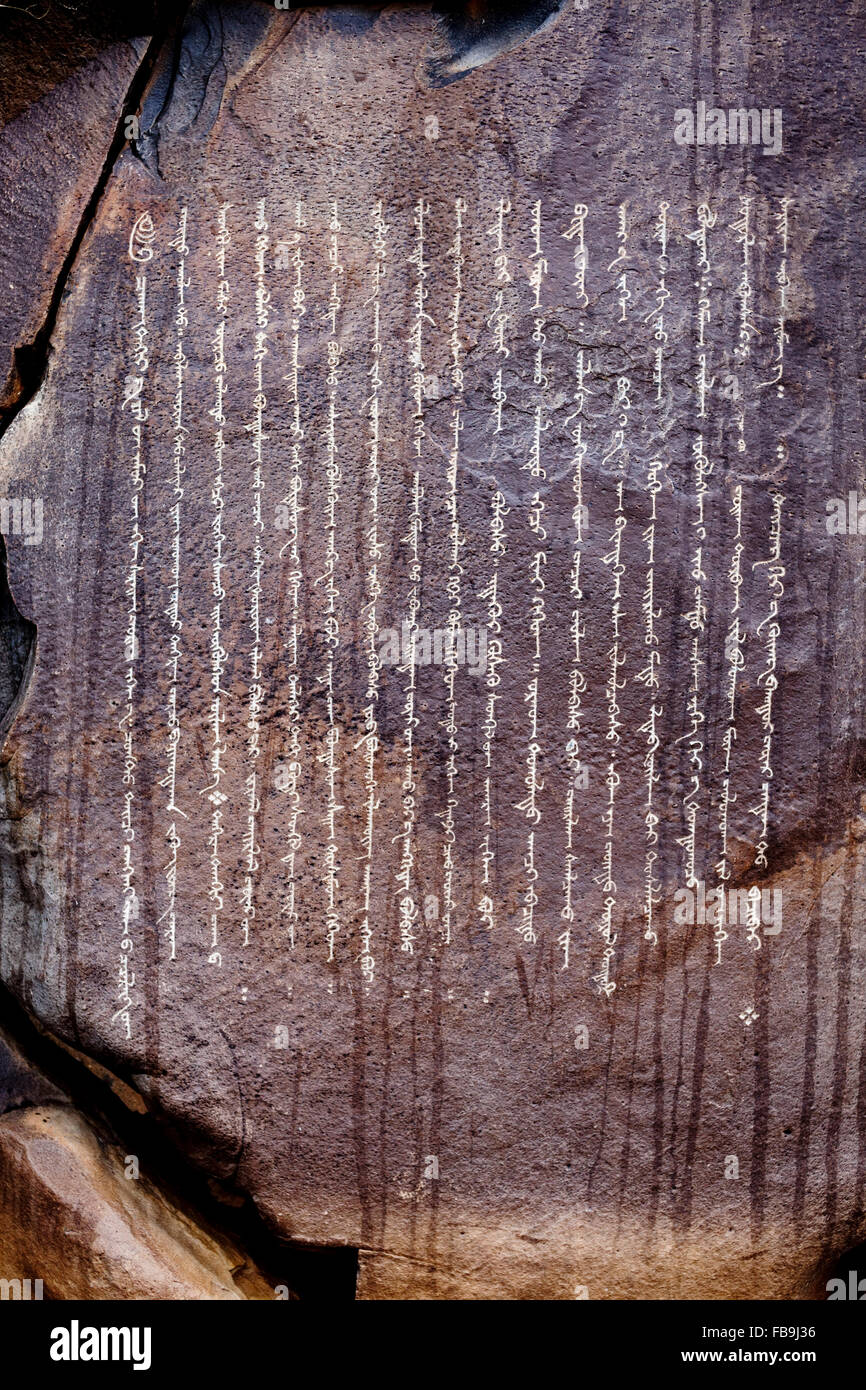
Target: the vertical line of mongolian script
pixel 408 906
pixel 255 685
pixel 497 548
pixel 179 245
pixel 369 741
pixel 575 233
pixel 218 655
pixel 333 477
pixel 769 630
pixel 696 618
pixel 289 519
pixel 140 251
pixel 455 570
pixel 535 509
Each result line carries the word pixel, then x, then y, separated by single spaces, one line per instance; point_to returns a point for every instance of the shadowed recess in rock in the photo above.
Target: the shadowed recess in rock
pixel 38 1073
pixel 17 643
pixel 475 31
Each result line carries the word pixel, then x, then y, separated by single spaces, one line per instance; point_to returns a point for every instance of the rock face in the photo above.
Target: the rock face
pixel 480 344
pixel 70 1216
pixel 77 1213
pixel 63 93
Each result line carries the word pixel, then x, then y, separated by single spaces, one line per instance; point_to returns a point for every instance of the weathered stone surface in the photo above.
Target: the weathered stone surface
pixel 70 1217
pixel 77 1213
pixel 63 81
pixel 442 1107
